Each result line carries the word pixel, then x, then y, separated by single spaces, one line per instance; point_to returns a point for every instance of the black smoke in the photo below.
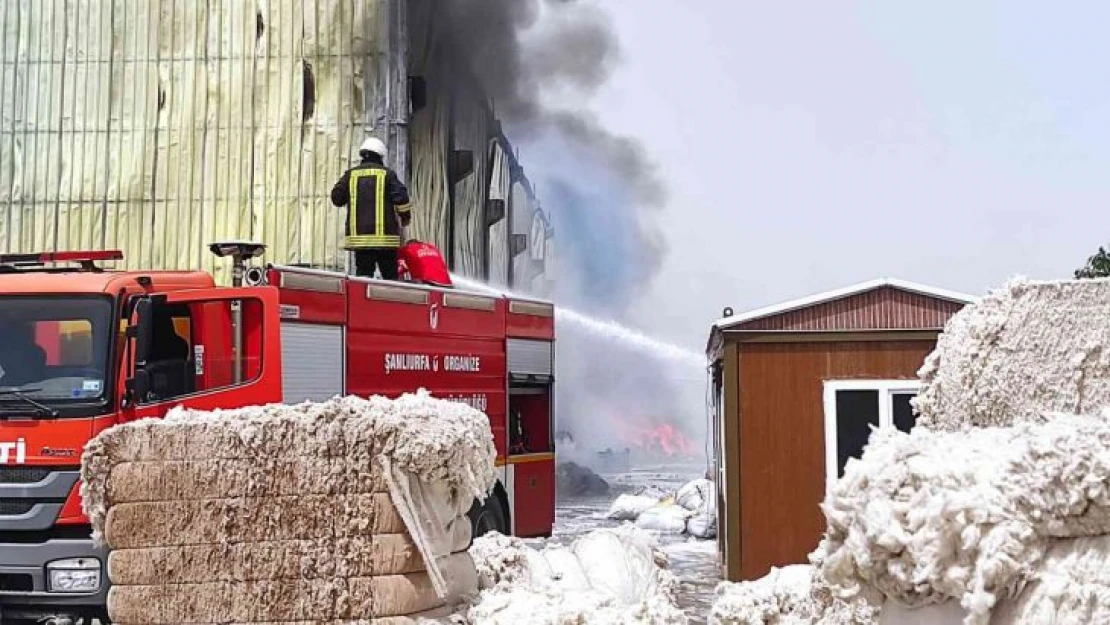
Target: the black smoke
pixel 541 62
pixel 524 51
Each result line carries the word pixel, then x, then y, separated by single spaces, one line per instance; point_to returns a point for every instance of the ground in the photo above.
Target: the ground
pixel 693 561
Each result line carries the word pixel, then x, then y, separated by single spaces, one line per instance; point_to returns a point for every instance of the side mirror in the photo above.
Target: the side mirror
pixel 142 332
pixel 138 385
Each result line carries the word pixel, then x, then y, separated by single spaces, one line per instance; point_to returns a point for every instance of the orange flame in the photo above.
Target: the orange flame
pixel 654 437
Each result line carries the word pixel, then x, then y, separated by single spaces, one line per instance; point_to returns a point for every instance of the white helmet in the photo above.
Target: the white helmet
pixel 373 145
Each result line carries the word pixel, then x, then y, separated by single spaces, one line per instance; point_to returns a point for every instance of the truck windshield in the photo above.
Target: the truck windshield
pixel 53 351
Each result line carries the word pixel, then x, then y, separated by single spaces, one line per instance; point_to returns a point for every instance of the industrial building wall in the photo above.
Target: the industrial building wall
pixel 472 134
pixel 158 126
pixel 523 208
pixel 499 188
pixel 429 129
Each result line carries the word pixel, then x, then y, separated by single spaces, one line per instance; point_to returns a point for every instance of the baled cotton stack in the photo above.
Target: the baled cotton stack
pixel 1020 354
pixel 343 511
pixel 933 516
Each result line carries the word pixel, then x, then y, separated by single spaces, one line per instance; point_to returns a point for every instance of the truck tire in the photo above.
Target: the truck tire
pixel 488 516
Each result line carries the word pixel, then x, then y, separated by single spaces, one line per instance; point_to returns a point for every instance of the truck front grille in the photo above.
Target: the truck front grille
pixel 32 497
pixel 12 582
pixel 25 475
pixel 14 507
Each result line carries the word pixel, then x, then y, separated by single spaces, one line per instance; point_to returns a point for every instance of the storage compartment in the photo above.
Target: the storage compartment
pixel 530 421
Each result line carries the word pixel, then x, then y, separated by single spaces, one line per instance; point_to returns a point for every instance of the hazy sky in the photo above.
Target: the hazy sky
pixel 813 145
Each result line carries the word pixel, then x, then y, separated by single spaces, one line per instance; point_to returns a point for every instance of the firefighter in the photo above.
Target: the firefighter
pixel 377 208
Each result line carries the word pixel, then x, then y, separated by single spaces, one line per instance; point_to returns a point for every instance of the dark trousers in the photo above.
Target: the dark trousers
pixel 384 257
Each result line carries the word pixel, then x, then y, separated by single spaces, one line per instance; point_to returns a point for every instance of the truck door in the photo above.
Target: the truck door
pixel 205 349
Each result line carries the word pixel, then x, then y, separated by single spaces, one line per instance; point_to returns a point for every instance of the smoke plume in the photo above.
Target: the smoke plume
pixel 541 62
pixel 530 53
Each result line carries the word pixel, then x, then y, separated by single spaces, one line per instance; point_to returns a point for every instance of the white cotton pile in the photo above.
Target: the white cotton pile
pixel 1023 352
pixel 768 599
pixel 1072 585
pixel 792 595
pixel 611 576
pixel 931 516
pixel 501 559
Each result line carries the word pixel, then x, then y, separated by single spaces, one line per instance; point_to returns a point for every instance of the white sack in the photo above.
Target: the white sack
pixel 623 563
pixel 666 518
pixel 630 507
pixel 562 568
pixel 605 577
pixel 428 510
pixel 695 495
pixel 704 523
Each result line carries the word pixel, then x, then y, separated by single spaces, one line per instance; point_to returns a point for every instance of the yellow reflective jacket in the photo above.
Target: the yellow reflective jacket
pixel 375 198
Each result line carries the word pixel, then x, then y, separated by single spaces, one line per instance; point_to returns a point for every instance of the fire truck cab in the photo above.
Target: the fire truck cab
pixel 84 349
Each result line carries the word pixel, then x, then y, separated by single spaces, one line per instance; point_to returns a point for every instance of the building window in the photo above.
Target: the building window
pixel 853 408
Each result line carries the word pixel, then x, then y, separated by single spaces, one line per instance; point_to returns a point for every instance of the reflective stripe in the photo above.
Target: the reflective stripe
pixel 379 221
pixel 370 240
pixel 404 208
pixel 379 211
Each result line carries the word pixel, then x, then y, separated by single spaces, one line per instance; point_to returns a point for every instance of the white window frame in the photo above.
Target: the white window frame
pixel 886 389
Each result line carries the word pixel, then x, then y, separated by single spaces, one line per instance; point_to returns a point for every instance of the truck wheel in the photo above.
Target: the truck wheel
pixel 487 517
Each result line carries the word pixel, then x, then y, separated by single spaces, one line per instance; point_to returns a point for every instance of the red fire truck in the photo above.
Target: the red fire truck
pixel 82 349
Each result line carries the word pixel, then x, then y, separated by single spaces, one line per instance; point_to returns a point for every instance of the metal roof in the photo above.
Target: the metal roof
pixel 836 294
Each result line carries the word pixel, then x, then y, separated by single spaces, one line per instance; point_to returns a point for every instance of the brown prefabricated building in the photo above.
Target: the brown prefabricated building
pixel 796 388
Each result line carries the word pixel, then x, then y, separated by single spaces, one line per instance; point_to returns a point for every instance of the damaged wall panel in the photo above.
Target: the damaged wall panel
pixel 158 126
pixel 472 133
pixel 523 211
pixel 500 181
pixel 429 129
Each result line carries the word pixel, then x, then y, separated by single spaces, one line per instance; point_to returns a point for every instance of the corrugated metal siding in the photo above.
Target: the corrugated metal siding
pixel 523 211
pixel 429 131
pixel 882 309
pixel 159 126
pixel 472 133
pixel 500 179
pixel 428 180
